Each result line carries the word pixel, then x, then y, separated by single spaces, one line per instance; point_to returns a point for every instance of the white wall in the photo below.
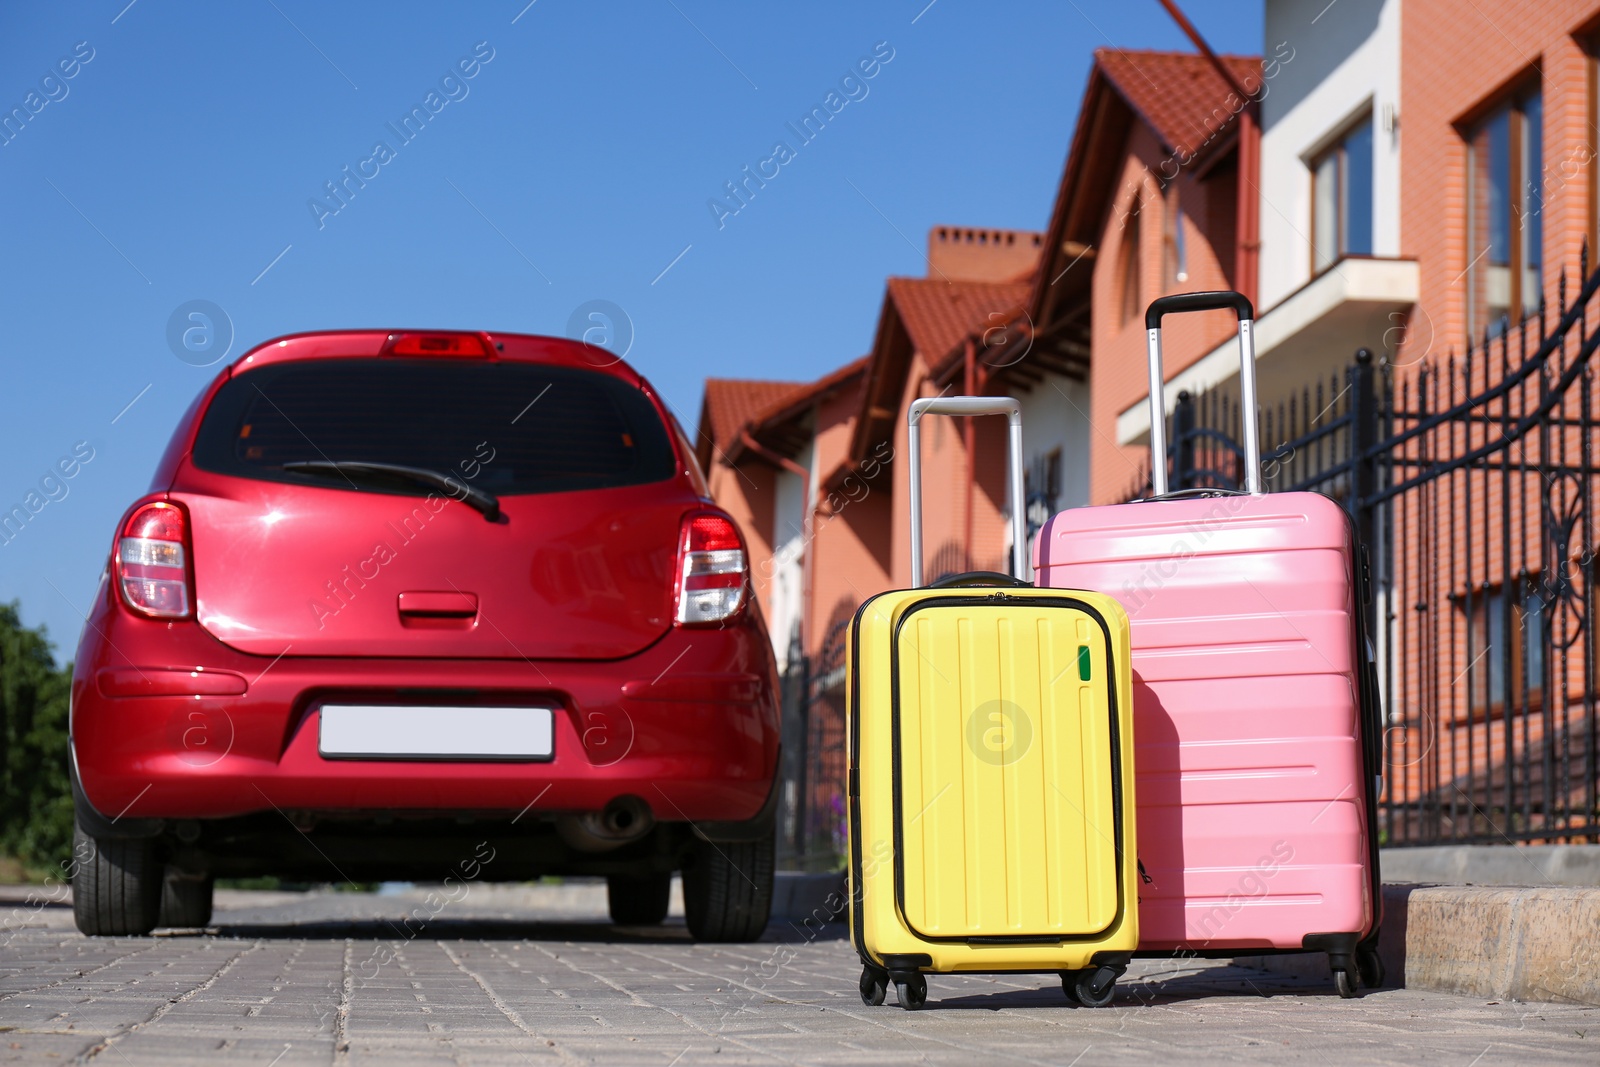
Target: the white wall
pixel 788 556
pixel 1345 57
pixel 1055 414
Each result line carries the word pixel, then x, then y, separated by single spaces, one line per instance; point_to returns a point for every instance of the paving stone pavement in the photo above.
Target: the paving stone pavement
pixel 517 975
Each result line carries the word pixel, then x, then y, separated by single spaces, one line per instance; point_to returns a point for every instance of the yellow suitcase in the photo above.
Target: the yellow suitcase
pixel 991 807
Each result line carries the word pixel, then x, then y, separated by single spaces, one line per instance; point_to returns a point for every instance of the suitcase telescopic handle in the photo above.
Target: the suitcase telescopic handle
pixel 969 405
pixel 1178 303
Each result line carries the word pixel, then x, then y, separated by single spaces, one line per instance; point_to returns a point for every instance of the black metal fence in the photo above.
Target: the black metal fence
pixel 1471 478
pixel 811 813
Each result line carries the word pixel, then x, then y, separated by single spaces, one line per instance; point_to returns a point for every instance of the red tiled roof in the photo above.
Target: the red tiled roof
pixel 731 402
pixel 937 314
pixel 1179 94
pixel 778 423
pixel 801 396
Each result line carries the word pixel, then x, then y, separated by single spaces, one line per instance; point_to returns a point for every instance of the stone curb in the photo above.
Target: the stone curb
pixel 1518 865
pixel 1498 942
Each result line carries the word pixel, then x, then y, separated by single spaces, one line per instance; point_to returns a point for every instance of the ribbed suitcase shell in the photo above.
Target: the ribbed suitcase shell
pixel 990 776
pixel 1248 736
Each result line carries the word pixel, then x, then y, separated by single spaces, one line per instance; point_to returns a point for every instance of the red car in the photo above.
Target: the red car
pixel 425 606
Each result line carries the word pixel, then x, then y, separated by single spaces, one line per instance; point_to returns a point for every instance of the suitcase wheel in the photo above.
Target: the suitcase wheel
pixel 874 985
pixel 1345 981
pixel 1369 966
pixel 912 991
pixel 1093 987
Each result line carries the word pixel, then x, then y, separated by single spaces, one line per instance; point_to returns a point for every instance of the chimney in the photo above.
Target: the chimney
pixel 970 254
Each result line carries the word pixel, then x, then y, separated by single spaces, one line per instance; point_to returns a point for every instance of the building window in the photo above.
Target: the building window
pixel 1505 197
pixel 1130 262
pixel 1180 249
pixel 1500 669
pixel 1341 198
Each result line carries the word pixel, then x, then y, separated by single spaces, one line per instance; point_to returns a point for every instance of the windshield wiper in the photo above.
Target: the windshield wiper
pixel 353 470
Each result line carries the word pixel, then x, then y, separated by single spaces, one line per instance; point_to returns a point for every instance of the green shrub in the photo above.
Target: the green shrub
pixel 35 793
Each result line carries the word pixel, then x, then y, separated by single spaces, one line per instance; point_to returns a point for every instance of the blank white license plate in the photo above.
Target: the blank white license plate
pixel 354 731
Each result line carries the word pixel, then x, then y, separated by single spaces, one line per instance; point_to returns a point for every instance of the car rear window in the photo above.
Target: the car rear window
pixel 513 428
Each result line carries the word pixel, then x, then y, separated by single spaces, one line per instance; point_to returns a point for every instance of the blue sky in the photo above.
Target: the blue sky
pixel 178 163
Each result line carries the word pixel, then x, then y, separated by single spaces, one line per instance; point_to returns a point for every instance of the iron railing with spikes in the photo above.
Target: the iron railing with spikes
pixel 1471 477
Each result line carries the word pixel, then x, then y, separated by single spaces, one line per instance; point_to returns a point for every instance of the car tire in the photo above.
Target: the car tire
pixel 727 889
pixel 185 901
pixel 116 889
pixel 638 900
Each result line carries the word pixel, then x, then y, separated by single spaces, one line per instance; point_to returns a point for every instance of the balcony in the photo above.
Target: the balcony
pixel 1307 336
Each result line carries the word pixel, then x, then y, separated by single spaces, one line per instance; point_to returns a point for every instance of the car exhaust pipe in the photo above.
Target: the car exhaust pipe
pixel 622 821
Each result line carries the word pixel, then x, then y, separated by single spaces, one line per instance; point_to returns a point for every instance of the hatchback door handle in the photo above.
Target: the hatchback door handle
pixel 448 605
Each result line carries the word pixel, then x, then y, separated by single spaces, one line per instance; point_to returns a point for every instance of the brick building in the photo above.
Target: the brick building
pixel 1497 196
pixel 769 447
pixel 1149 204
pixel 1394 175
pixel 1427 179
pixel 815 473
pixel 1497 182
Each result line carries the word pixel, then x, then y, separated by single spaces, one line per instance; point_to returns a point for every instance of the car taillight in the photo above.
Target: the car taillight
pixel 712 573
pixel 152 565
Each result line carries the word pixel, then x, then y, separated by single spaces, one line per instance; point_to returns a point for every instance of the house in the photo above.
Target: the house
pixel 1149 204
pixel 1332 277
pixel 769 447
pixel 1427 182
pixel 1410 177
pixel 815 474
pixel 1497 196
pixel 757 443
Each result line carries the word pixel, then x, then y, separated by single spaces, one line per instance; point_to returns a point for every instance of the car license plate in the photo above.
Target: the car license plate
pixel 371 731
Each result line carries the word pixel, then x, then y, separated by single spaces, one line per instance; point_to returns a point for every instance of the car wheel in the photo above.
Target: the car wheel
pixel 185 901
pixel 727 889
pixel 116 889
pixel 638 901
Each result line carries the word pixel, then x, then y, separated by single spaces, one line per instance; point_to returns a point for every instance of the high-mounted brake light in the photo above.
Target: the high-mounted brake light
pixel 152 562
pixel 712 571
pixel 439 345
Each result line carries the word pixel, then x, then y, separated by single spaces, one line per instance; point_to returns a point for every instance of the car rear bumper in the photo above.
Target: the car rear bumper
pixel 689 726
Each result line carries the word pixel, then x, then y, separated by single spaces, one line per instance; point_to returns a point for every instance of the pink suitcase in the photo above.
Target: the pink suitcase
pixel 1254 700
